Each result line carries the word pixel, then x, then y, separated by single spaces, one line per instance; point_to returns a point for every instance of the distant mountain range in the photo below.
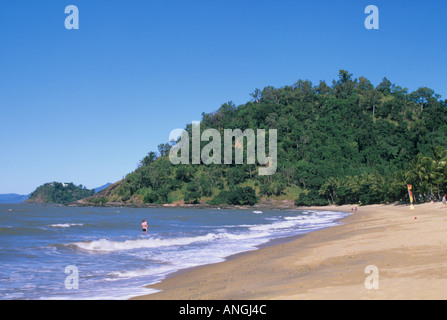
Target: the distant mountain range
pixel 12 198
pixel 102 187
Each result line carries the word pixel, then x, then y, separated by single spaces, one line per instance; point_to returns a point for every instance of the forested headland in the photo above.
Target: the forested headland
pixel 59 193
pixel 340 143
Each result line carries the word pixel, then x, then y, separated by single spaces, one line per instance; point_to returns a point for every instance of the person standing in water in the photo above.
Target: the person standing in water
pixel 144 226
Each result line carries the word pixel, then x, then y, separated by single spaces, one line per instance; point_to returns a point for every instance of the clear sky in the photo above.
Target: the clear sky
pixel 86 105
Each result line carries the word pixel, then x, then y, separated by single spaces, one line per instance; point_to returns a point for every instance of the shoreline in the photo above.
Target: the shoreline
pixel 270 243
pixel 408 248
pixel 266 204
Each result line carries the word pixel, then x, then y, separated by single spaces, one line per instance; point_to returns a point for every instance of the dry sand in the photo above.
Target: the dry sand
pixel 410 255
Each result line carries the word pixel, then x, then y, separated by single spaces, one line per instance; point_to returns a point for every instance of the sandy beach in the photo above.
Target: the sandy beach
pixel 408 248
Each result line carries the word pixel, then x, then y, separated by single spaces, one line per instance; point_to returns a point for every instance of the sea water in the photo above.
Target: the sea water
pixel 114 259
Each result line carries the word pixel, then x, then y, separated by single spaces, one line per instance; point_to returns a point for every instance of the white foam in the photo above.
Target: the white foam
pixel 309 221
pixel 312 219
pixel 65 225
pixel 109 246
pixel 119 275
pixel 104 245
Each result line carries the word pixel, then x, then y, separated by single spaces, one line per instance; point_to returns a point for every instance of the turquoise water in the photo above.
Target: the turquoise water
pixel 114 259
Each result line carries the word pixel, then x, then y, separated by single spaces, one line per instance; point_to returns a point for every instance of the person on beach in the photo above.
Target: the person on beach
pixel 443 200
pixel 144 226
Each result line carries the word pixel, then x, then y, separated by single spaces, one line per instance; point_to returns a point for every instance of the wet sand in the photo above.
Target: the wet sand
pixel 409 249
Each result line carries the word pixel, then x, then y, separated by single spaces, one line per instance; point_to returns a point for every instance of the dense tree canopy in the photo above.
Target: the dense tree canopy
pixel 59 193
pixel 346 143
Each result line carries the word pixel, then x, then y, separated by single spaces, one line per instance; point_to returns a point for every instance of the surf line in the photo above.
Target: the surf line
pixel 211 153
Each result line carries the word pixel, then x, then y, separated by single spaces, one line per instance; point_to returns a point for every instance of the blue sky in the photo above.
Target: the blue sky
pixel 86 105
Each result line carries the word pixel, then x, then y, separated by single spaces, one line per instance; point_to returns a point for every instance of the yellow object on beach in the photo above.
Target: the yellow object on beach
pixel 410 194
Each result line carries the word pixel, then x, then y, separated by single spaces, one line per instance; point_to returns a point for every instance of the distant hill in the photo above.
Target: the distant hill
pixel 12 198
pixel 102 187
pixel 59 193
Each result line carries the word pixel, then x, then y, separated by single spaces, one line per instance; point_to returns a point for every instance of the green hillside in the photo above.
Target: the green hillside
pixel 344 142
pixel 59 193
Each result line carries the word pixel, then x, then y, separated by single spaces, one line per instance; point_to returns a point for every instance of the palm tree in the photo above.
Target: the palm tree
pixel 428 172
pixel 416 173
pixel 329 188
pixel 439 168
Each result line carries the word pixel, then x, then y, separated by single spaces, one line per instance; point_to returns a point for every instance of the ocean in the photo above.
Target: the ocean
pixel 58 252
